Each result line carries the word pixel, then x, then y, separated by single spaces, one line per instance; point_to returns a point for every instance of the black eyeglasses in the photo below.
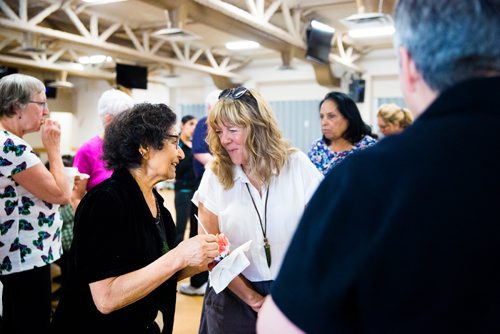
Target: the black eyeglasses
pixel 233 93
pixel 176 137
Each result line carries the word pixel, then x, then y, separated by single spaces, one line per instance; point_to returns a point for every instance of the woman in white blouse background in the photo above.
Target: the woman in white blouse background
pixel 255 189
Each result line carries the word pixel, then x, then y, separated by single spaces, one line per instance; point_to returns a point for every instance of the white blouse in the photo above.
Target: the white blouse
pixel 289 192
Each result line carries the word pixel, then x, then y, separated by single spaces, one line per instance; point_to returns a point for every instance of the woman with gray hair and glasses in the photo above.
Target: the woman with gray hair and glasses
pixel 30 224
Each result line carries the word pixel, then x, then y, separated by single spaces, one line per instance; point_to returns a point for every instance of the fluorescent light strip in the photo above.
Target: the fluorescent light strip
pixel 100 2
pixel 372 32
pixel 242 45
pixel 321 26
pixel 95 59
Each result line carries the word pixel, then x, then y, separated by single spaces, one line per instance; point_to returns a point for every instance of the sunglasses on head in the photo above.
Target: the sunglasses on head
pixel 233 93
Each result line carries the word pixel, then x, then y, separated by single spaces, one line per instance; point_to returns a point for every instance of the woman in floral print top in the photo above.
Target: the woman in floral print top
pixel 30 225
pixel 344 132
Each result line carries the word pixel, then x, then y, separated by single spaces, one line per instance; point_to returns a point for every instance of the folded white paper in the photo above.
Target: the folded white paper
pixel 229 267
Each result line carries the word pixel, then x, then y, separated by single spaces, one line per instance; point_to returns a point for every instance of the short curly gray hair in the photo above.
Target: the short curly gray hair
pixel 16 91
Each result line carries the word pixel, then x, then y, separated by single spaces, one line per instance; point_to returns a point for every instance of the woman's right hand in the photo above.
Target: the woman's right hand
pixel 51 134
pixel 199 250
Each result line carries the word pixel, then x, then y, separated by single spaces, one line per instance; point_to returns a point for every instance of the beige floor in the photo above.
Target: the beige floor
pixel 187 314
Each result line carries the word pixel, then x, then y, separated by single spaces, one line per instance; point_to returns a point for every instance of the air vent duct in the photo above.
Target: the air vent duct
pixel 30 44
pixel 371 13
pixel 174 31
pixel 62 82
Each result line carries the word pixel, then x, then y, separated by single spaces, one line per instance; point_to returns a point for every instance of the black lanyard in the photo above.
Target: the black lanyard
pixel 267 246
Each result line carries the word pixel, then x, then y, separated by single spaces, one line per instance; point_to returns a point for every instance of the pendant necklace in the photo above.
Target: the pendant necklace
pixel 267 246
pixel 161 229
pixel 158 213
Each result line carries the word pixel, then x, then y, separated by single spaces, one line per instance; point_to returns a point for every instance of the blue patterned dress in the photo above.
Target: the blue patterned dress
pixel 30 229
pixel 325 159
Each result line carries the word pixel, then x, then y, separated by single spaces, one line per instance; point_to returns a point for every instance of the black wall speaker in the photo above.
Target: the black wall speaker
pixel 132 76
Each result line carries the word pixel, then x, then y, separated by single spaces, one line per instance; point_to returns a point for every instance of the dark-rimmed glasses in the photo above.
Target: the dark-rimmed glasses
pixel 233 93
pixel 176 137
pixel 40 103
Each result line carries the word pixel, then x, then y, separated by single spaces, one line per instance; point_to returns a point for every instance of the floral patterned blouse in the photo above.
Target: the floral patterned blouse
pixel 325 159
pixel 30 229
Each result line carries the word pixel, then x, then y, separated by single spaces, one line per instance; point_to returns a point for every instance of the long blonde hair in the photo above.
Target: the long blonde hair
pixel 268 151
pixel 394 114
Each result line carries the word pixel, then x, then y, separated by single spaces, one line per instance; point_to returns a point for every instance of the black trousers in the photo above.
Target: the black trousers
pixel 184 210
pixel 26 302
pixel 201 278
pixel 225 313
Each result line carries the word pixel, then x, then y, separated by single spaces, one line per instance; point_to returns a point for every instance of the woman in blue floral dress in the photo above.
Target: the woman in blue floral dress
pixel 30 224
pixel 344 132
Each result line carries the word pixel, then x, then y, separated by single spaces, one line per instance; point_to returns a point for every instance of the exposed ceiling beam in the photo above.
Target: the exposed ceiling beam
pixel 114 48
pixel 21 62
pixel 224 16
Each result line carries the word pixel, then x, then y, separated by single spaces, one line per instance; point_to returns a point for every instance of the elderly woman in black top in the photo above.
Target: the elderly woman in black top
pixel 123 264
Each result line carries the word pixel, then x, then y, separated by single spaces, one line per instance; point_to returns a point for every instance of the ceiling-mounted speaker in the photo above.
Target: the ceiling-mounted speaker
pixel 357 90
pixel 319 44
pixel 50 92
pixel 132 76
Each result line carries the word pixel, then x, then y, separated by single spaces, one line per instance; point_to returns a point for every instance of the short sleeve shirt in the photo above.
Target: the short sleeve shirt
pixel 30 228
pixel 88 160
pixel 289 193
pixel 325 159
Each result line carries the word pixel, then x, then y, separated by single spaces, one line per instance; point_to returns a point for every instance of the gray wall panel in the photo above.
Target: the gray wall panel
pixel 299 120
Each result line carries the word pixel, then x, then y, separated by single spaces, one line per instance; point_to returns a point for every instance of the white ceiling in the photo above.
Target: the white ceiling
pixel 65 30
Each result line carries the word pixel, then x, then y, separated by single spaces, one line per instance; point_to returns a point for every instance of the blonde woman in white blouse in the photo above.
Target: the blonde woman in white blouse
pixel 255 189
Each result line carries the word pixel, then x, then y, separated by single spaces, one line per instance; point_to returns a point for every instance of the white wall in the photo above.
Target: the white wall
pixel 85 98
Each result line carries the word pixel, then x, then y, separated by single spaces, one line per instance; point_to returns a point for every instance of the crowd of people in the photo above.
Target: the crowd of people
pixel 358 235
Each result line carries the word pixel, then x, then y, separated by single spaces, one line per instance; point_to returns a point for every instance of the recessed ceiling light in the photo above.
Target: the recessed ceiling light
pixel 371 32
pixel 242 45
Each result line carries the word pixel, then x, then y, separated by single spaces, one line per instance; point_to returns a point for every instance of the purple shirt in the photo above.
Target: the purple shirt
pixel 88 160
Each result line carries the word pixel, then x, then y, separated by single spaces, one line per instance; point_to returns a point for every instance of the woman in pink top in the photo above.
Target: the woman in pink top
pixel 88 159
